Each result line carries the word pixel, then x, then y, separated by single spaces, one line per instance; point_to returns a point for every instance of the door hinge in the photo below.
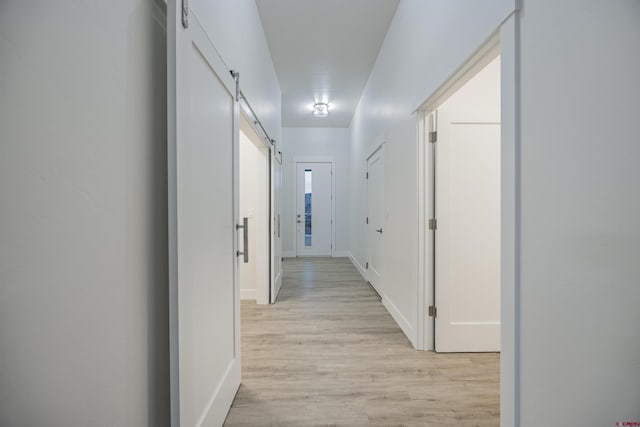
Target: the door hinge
pixel 433 136
pixel 433 312
pixel 433 224
pixel 185 13
pixel 366 265
pixel 367 175
pixel 367 220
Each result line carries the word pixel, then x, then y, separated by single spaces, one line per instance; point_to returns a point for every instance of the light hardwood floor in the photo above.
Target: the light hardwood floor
pixel 328 353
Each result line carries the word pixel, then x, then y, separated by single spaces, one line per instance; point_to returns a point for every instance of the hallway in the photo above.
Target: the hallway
pixel 328 353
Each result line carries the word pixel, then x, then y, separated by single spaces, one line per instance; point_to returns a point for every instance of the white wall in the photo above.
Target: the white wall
pixel 308 143
pixel 580 203
pixel 423 46
pixel 83 229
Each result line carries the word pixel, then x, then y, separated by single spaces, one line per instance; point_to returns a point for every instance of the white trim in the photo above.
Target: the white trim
pixel 341 254
pixel 358 266
pixel 314 159
pixel 249 294
pixel 222 398
pixel 422 234
pixel 288 254
pixel 247 126
pixel 510 223
pixel 278 285
pixel 475 62
pixel 404 324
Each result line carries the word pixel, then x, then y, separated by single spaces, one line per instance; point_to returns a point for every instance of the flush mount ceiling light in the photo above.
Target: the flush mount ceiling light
pixel 320 109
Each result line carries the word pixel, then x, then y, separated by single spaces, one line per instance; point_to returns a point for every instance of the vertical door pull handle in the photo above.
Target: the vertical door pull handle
pixel 245 233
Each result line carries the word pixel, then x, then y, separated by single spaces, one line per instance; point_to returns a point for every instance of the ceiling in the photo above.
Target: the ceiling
pixel 323 51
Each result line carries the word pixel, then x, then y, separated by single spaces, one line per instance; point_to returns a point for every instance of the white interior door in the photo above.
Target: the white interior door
pixel 467 209
pixel 375 219
pixel 314 207
pixel 203 205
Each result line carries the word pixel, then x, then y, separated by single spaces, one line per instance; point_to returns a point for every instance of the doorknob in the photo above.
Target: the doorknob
pixel 245 229
pixel 299 221
pixel 379 231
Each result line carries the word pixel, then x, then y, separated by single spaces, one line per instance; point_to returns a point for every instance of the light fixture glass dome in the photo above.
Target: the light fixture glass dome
pixel 320 109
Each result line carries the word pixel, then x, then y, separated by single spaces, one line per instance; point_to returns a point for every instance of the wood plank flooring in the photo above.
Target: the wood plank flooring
pixel 328 353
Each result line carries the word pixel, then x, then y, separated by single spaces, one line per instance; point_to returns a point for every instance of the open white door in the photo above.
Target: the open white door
pixel 375 218
pixel 467 208
pixel 314 208
pixel 203 205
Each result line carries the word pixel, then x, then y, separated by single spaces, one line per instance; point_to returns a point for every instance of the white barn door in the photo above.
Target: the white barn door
pixel 203 206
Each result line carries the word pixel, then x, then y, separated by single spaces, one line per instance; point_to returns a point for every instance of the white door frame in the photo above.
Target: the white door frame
pixel 506 39
pixel 264 296
pixel 426 124
pixel 315 159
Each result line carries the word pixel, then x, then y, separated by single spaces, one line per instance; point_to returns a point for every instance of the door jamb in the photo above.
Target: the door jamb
pixel 315 159
pixel 426 286
pixel 248 127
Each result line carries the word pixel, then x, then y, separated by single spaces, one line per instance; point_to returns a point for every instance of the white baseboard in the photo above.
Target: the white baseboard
pixel 248 294
pixel 288 254
pixel 402 321
pixel 220 401
pixel 360 268
pixel 278 284
pixel 341 254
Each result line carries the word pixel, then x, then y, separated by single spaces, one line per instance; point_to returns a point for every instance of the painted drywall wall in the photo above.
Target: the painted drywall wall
pixel 83 240
pixel 580 204
pixel 413 61
pixel 83 231
pixel 236 31
pixel 305 144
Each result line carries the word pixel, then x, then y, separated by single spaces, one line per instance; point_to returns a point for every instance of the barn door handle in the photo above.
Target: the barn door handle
pixel 245 233
pixel 379 230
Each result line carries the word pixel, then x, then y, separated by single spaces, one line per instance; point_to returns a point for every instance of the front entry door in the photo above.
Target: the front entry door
pixel 314 207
